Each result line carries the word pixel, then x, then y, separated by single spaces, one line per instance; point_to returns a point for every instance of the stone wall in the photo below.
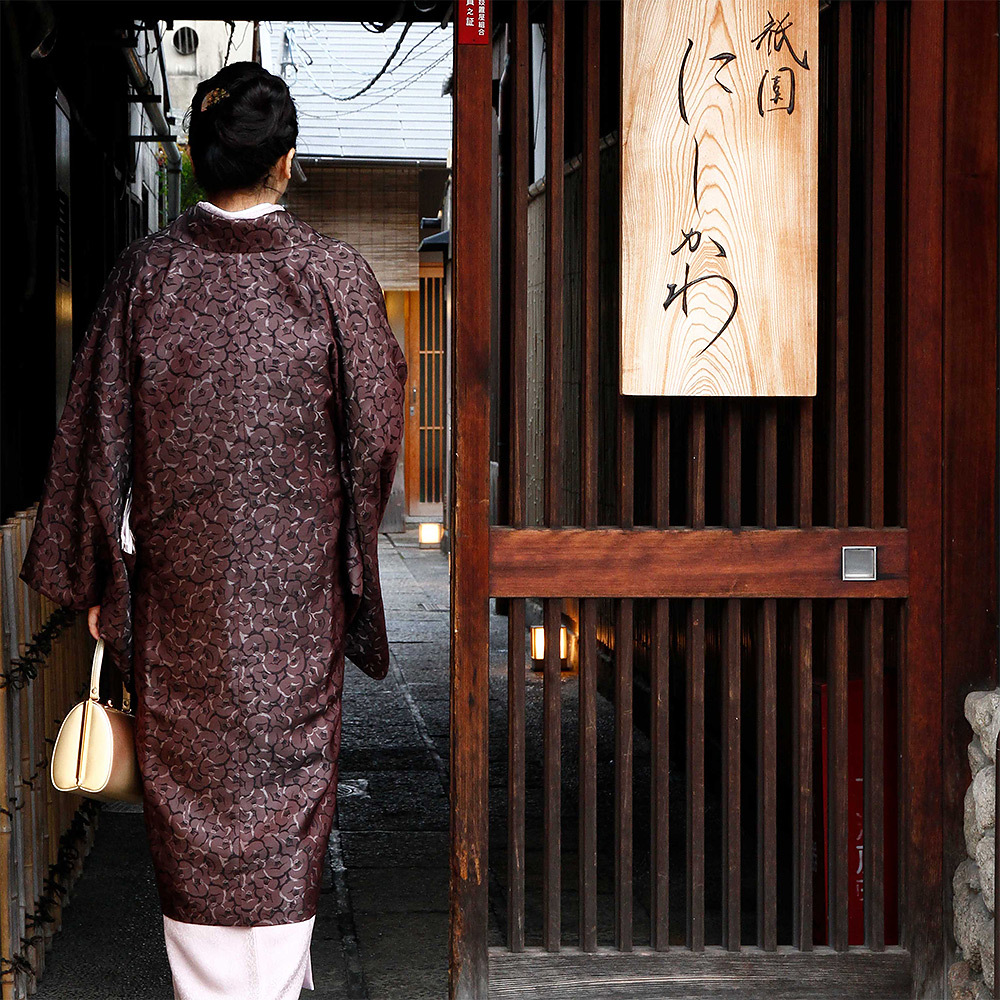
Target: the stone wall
pixel 974 882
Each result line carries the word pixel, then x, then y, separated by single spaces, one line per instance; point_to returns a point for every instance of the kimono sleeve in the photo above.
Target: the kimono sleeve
pixel 75 555
pixel 371 373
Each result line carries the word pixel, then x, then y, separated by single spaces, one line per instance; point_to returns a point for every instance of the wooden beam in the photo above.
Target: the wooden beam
pixel 712 974
pixel 680 562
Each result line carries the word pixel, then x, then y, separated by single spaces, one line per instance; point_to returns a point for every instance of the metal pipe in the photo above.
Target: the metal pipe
pixel 144 86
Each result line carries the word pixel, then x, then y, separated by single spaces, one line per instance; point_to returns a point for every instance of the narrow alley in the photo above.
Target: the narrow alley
pixel 382 923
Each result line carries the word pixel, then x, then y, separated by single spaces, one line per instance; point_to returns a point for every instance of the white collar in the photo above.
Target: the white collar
pixel 262 208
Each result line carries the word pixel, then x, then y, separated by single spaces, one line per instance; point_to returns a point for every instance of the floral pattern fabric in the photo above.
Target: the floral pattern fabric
pixel 239 387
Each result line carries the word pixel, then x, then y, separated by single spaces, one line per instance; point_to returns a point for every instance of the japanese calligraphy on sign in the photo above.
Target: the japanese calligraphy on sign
pixel 718 214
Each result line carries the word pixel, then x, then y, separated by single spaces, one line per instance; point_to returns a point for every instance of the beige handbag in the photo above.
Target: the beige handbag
pixel 94 752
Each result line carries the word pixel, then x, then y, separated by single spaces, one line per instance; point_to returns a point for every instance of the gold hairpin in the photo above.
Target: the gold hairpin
pixel 213 97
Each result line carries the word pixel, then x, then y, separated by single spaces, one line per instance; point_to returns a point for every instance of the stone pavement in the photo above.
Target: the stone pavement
pixel 381 928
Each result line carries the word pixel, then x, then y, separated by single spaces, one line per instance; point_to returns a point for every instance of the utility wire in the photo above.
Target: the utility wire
pixel 292 34
pixel 403 84
pixel 354 69
pixel 379 74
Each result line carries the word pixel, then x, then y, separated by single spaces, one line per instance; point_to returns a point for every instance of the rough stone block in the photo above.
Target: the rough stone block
pixel 982 709
pixel 986 861
pixel 970 927
pixel 972 832
pixel 984 792
pixel 967 876
pixel 986 951
pixel 977 757
pixel 961 985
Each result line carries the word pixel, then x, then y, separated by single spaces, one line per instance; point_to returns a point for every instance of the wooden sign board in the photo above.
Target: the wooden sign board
pixel 718 207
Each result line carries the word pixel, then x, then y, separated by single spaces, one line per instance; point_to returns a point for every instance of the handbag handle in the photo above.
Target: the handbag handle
pixel 95 679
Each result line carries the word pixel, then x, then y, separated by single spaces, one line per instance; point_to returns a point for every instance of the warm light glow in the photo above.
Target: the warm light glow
pixel 430 534
pixel 538 642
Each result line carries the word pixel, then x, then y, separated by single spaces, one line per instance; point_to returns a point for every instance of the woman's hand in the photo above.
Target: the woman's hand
pixel 94 621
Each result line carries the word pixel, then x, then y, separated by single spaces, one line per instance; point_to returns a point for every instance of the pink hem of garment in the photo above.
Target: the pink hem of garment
pixel 214 962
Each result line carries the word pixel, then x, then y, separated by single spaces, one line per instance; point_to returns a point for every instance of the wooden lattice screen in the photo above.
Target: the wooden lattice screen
pixel 695 555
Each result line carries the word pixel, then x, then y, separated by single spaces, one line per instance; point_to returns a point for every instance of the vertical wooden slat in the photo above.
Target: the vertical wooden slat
pixel 590 285
pixel 588 775
pixel 696 699
pixel 623 694
pixel 589 396
pixel 732 866
pixel 623 774
pixel 802 673
pixel 422 413
pixel 839 847
pixel 517 272
pixel 438 392
pixel 623 665
pixel 554 185
pixel 515 774
pixel 551 776
pixel 552 689
pixel 469 689
pixel 696 776
pixel 767 700
pixel 659 723
pixel 874 763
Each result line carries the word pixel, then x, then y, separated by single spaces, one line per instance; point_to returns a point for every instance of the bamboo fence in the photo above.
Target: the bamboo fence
pixel 44 834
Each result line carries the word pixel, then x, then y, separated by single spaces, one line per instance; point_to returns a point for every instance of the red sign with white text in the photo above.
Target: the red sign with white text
pixel 473 22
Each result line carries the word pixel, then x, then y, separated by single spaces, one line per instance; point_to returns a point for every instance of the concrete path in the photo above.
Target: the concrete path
pixel 381 928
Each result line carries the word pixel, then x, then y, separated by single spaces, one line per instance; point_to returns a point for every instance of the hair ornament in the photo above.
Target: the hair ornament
pixel 213 97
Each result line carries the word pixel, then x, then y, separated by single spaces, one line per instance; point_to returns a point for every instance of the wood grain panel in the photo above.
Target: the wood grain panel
pixel 719 198
pixel 644 974
pixel 681 562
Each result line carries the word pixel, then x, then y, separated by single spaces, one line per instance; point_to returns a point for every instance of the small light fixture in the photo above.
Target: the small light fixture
pixel 538 642
pixel 430 534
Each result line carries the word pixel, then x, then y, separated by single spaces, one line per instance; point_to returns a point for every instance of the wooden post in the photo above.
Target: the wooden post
pixel 471 226
pixel 923 877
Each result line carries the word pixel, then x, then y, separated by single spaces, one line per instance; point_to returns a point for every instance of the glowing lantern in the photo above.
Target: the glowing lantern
pixel 430 534
pixel 538 642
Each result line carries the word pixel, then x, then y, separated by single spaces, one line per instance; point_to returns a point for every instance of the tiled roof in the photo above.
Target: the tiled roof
pixel 403 115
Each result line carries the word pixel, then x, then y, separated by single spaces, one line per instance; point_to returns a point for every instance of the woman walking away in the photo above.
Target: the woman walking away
pixel 213 497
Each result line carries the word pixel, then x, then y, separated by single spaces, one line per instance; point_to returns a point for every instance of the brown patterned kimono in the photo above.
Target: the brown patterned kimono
pixel 239 386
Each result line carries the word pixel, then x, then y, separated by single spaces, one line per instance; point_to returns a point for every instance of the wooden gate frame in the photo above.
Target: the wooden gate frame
pixel 472 130
pixel 947 520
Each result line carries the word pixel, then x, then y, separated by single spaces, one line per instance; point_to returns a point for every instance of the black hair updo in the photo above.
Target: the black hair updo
pixel 237 139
